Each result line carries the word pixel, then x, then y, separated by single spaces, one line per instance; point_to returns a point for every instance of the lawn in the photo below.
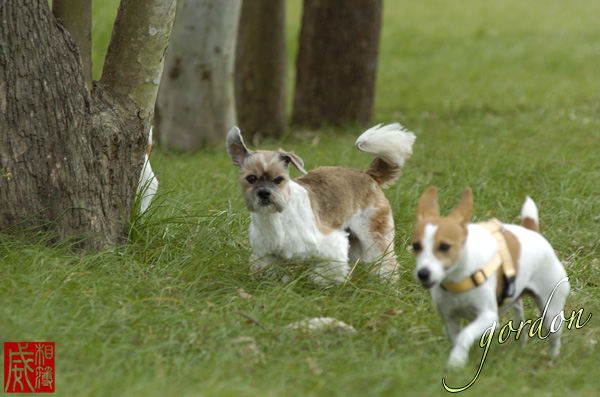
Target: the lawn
pixel 503 96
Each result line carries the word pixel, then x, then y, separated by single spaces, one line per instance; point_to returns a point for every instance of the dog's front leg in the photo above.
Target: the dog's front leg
pixel 450 320
pixel 451 327
pixel 262 265
pixel 465 338
pixel 327 273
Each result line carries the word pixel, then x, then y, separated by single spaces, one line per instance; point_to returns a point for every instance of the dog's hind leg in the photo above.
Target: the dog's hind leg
pixel 355 250
pixel 518 317
pixel 331 257
pixel 377 243
pixel 550 299
pixel 387 266
pixel 555 312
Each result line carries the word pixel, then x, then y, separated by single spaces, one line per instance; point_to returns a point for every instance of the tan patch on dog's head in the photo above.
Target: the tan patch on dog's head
pixel 448 240
pixel 451 231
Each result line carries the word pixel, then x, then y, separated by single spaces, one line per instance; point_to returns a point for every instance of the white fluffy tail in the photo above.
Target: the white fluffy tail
pixel 392 143
pixel 529 215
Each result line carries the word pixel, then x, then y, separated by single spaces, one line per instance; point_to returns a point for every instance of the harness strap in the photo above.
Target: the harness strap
pixel 502 262
pixel 477 278
pixel 496 228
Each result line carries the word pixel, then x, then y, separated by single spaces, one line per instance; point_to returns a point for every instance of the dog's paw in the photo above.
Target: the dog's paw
pixel 458 358
pixel 329 273
pixel 323 281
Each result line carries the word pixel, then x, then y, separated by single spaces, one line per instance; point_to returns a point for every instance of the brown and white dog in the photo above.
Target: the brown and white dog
pixel 461 263
pixel 330 215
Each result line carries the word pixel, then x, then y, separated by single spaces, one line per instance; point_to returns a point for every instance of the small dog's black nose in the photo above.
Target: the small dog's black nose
pixel 264 194
pixel 423 274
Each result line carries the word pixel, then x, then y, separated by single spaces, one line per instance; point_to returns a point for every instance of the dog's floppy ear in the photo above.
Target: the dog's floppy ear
pixel 235 147
pixel 294 159
pixel 428 205
pixel 463 211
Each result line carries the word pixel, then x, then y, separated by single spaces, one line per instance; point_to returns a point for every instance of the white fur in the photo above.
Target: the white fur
pixel 540 271
pixel 392 143
pixel 529 210
pixel 148 184
pixel 293 235
pixel 360 224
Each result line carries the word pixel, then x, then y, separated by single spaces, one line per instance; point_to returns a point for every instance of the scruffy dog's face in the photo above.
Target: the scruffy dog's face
pixel 264 175
pixel 264 180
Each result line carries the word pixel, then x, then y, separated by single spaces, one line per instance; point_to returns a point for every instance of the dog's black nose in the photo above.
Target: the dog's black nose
pixel 264 194
pixel 423 274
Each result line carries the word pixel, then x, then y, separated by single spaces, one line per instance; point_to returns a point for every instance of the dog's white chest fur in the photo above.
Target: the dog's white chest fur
pixel 293 233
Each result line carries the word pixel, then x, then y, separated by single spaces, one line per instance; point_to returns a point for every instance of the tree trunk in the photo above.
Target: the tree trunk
pixel 76 17
pixel 196 104
pixel 136 53
pixel 337 62
pixel 261 68
pixel 70 159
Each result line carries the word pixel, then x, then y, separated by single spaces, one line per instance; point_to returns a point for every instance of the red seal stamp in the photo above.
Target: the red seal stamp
pixel 29 367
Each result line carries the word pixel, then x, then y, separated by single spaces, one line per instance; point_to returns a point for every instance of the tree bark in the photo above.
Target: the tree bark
pixel 337 62
pixel 196 104
pixel 70 160
pixel 139 40
pixel 261 68
pixel 76 17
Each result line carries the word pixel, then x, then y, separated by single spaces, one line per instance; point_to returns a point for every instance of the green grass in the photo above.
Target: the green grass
pixel 503 96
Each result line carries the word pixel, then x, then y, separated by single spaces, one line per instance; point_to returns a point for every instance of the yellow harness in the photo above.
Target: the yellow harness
pixel 502 262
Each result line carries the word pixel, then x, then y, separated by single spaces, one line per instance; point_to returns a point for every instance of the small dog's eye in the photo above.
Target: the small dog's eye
pixel 444 247
pixel 417 247
pixel 251 179
pixel 278 180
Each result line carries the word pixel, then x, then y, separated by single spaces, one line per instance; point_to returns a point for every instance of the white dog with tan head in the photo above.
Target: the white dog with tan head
pixel 476 271
pixel 328 216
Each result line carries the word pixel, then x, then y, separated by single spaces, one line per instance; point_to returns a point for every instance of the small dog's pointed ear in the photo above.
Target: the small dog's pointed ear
pixel 465 207
pixel 428 205
pixel 294 159
pixel 235 147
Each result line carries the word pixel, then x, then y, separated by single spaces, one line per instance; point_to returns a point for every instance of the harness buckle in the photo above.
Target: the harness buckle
pixel 479 277
pixel 509 290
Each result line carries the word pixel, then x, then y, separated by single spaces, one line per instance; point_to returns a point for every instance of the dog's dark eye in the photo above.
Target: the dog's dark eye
pixel 278 180
pixel 417 247
pixel 444 247
pixel 251 179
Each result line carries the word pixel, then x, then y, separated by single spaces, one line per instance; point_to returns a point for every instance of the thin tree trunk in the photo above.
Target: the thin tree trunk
pixel 261 68
pixel 136 53
pixel 196 104
pixel 76 17
pixel 337 62
pixel 70 160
